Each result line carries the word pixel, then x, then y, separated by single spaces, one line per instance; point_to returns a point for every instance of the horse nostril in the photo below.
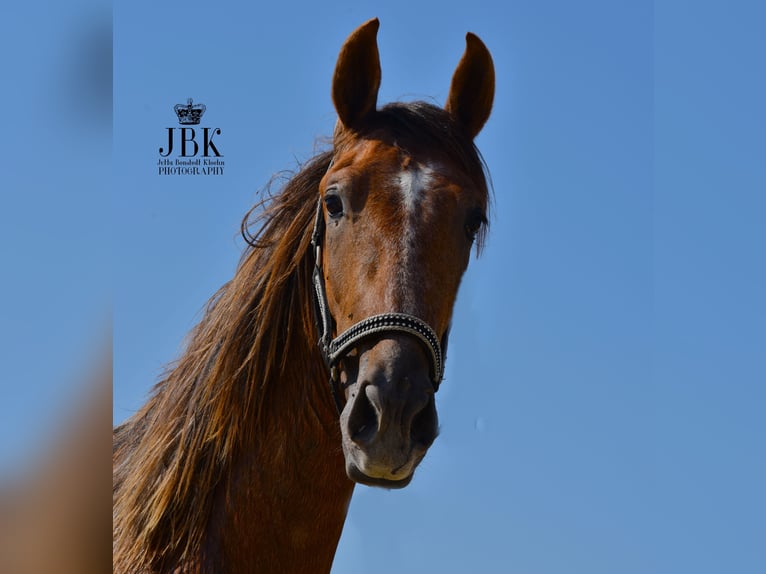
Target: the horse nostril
pixel 363 419
pixel 424 426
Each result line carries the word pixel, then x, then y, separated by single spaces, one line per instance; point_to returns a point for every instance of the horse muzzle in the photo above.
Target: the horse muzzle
pixel 389 420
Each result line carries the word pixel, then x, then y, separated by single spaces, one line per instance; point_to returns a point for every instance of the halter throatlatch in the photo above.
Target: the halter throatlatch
pixel 333 350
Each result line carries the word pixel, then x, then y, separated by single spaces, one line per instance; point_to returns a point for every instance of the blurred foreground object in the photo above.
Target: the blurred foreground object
pixel 54 228
pixel 55 516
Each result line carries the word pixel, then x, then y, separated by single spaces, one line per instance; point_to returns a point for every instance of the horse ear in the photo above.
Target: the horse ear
pixel 357 76
pixel 473 87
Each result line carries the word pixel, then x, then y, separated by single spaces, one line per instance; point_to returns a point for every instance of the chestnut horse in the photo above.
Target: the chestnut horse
pixel 243 460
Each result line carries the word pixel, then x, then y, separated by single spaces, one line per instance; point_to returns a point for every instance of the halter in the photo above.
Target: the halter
pixel 333 350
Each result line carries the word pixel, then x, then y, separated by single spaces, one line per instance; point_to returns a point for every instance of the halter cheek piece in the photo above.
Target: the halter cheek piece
pixel 333 350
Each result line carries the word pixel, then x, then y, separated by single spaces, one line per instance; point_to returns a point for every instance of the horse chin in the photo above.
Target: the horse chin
pixel 355 474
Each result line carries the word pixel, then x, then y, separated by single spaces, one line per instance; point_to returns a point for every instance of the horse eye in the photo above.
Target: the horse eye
pixel 473 224
pixel 334 205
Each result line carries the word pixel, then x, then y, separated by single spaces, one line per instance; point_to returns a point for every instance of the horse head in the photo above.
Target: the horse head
pixel 401 205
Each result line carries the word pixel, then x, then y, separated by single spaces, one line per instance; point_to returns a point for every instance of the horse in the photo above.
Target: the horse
pixel 242 459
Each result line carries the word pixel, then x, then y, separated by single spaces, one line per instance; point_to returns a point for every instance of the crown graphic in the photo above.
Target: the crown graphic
pixel 190 113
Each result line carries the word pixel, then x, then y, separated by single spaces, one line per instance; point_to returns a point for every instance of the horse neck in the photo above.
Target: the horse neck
pixel 283 504
pixel 280 496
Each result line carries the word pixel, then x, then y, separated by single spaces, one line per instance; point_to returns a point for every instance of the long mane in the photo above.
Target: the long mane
pixel 172 453
pixel 258 329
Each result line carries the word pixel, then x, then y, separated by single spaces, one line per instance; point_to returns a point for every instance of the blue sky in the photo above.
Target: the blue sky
pixel 603 409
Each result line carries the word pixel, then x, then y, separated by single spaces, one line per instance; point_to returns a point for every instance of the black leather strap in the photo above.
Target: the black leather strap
pixel 386 323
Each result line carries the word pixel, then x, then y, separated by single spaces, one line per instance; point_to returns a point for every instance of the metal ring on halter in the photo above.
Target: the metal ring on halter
pixel 333 350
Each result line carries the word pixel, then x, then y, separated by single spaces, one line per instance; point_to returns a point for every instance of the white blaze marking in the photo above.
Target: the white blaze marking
pixel 413 181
